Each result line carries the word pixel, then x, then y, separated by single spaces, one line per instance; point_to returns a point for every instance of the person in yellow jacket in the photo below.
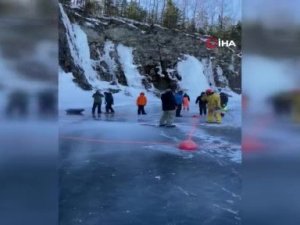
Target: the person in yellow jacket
pixel 213 107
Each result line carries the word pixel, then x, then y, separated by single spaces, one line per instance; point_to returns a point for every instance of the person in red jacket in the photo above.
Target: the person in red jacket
pixel 141 102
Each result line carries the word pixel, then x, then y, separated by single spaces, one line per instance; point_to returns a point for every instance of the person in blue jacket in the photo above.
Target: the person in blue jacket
pixel 179 100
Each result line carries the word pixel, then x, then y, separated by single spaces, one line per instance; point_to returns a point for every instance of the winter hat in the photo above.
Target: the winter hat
pixel 173 86
pixel 209 91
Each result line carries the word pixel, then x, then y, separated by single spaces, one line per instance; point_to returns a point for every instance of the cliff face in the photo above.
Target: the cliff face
pixel 156 52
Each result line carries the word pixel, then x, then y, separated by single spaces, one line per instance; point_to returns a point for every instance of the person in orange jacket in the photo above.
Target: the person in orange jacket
pixel 141 103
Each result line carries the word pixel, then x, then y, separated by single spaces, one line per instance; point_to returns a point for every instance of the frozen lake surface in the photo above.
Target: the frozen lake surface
pixel 122 169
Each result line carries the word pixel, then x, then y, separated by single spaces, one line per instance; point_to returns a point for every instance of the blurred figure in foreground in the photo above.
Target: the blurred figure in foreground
pixel 296 107
pixel 271 156
pixel 18 104
pixel 47 101
pixel 29 142
pixel 286 104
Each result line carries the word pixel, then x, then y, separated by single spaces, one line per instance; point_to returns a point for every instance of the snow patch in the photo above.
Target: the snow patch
pixel 80 50
pixel 70 95
pixel 208 71
pixel 221 77
pixel 134 79
pixel 193 78
pixel 112 65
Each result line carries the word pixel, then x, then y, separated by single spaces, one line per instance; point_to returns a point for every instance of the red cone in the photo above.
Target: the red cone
pixel 251 144
pixel 188 145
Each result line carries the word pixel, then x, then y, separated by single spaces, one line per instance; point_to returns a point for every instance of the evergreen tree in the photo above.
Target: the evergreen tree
pixel 108 7
pixel 92 7
pixel 171 15
pixel 191 26
pixel 236 34
pixel 135 12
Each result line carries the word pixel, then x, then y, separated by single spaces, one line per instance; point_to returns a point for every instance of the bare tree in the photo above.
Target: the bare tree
pixel 221 13
pixel 194 8
pixel 156 10
pixel 183 5
pixel 202 17
pixel 152 10
pixel 163 10
pixel 148 9
pixel 211 7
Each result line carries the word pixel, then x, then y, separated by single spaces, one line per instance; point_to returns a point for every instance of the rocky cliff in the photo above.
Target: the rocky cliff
pixel 156 52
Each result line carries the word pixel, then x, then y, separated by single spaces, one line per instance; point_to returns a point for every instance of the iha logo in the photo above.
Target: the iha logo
pixel 213 42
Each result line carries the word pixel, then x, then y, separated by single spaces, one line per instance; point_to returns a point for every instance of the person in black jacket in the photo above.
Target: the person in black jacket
pixel 109 101
pixel 224 102
pixel 224 99
pixel 168 107
pixel 201 100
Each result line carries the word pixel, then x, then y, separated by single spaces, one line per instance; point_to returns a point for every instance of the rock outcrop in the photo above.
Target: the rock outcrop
pixel 156 52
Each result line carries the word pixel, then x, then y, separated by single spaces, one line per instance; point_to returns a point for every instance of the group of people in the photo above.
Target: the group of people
pixel 109 101
pixel 202 100
pixel 182 102
pixel 97 105
pixel 211 104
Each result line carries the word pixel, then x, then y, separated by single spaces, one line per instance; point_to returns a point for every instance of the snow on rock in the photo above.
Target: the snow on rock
pixel 193 79
pixel 89 24
pixel 77 3
pixel 93 21
pixel 160 71
pixel 70 95
pixel 73 96
pixel 221 77
pixel 82 55
pixel 133 77
pixel 208 71
pixel 80 51
pixel 112 65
